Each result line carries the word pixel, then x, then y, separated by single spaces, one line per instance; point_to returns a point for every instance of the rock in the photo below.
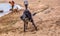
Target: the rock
pixel 1 11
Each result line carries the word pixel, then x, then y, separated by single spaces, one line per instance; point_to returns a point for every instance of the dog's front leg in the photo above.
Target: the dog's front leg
pixel 25 25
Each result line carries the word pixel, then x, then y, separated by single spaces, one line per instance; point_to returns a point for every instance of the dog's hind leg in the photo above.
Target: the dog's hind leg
pixel 34 24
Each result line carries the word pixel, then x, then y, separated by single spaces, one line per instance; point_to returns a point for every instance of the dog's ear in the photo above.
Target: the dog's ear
pixel 21 18
pixel 13 2
pixel 10 2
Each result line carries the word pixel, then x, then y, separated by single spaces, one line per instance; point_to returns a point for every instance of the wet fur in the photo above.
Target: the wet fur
pixel 27 17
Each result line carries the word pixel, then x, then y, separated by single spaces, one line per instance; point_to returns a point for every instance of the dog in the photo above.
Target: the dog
pixel 27 17
pixel 12 4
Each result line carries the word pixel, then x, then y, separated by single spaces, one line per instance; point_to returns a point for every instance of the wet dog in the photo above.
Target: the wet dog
pixel 12 4
pixel 27 17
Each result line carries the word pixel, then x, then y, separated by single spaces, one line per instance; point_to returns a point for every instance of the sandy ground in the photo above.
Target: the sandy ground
pixel 47 19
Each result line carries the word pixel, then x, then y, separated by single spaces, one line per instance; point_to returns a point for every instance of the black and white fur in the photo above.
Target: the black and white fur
pixel 27 17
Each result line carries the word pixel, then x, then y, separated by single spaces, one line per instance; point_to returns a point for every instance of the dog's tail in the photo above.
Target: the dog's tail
pixel 36 12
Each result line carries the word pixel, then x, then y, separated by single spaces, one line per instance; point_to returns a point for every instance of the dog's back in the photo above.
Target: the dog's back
pixel 26 15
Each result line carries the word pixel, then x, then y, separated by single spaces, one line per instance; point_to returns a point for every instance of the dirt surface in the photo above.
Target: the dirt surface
pixel 47 19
